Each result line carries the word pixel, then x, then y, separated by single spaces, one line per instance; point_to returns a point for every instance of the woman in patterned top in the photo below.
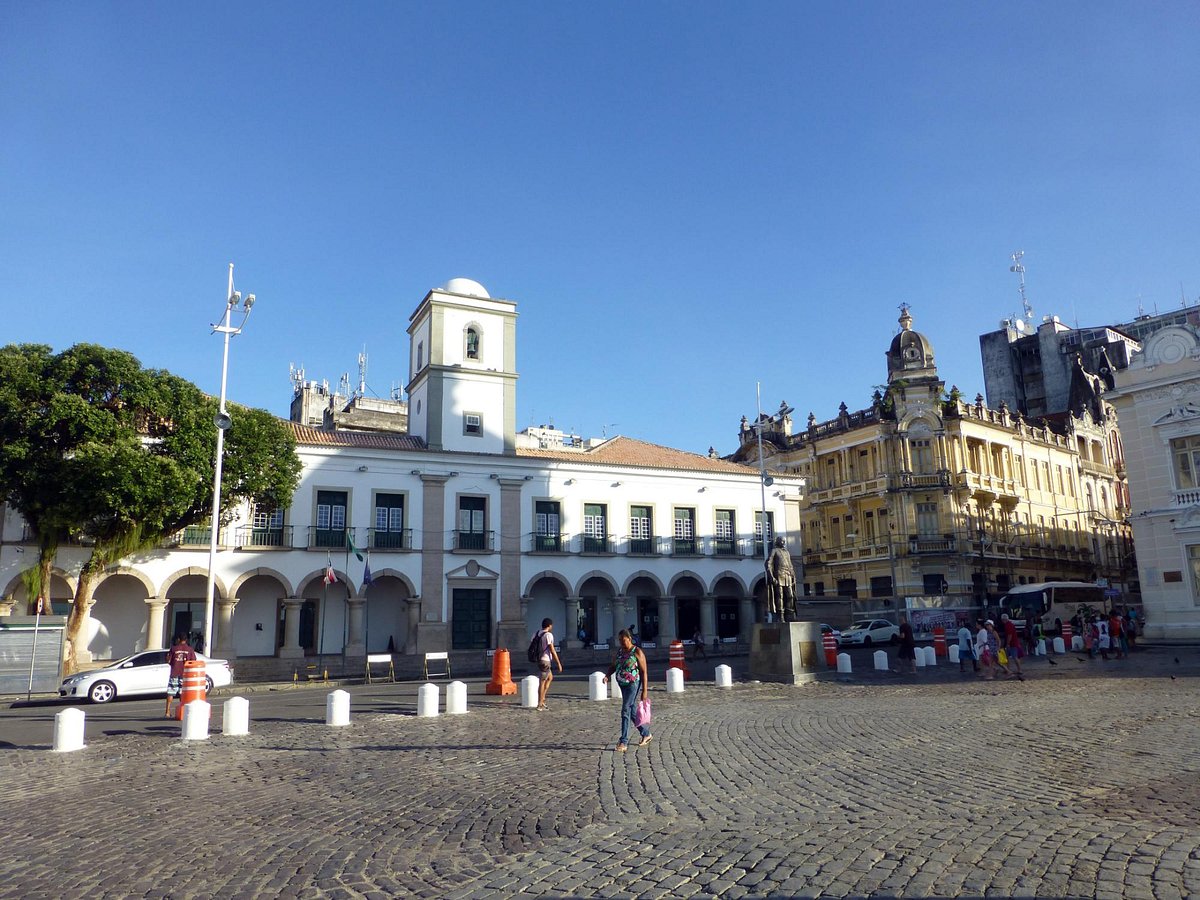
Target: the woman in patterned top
pixel 629 669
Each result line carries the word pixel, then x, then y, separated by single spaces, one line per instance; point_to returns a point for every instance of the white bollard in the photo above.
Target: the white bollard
pixel 456 698
pixel 68 730
pixel 529 691
pixel 1060 646
pixel 954 657
pixel 1041 647
pixel 724 676
pixel 235 718
pixel 674 681
pixel 919 657
pixel 428 696
pixel 337 709
pixel 881 661
pixel 597 689
pixel 844 666
pixel 930 656
pixel 1076 642
pixel 195 720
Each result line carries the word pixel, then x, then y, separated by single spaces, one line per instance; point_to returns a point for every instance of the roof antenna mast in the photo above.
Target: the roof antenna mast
pixel 1020 270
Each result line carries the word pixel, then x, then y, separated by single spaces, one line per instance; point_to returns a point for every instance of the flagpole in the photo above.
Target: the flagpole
pixel 324 603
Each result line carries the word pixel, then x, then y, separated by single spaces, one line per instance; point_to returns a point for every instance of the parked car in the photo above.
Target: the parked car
pixel 829 629
pixel 140 674
pixel 870 631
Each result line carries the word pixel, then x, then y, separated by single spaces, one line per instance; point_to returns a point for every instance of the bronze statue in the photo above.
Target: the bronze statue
pixel 781 581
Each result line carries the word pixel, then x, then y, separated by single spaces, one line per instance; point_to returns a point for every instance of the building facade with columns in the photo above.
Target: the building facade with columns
pixel 471 532
pixel 1157 398
pixel 925 500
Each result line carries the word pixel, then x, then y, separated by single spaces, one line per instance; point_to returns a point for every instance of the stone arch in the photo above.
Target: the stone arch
pixel 649 576
pixel 399 576
pixel 728 577
pixel 266 572
pixel 598 575
pixel 184 573
pixel 548 575
pixel 16 586
pixel 134 574
pixel 920 422
pixel 685 575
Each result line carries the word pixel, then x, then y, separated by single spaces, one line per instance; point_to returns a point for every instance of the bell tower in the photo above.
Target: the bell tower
pixel 462 382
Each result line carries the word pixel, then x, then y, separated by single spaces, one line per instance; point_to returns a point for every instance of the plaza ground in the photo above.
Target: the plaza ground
pixel 1080 781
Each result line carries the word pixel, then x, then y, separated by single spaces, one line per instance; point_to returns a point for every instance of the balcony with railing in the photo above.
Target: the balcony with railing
pixel 265 538
pixel 390 538
pixel 922 545
pixel 474 541
pixel 850 489
pixel 649 546
pixel 330 538
pixel 194 537
pixel 596 543
pixel 1187 497
pixel 728 546
pixel 685 546
pixel 1099 469
pixel 919 480
pixel 543 542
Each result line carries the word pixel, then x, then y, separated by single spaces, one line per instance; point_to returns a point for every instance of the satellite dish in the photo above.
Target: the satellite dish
pixel 1020 323
pixel 768 480
pixel 222 421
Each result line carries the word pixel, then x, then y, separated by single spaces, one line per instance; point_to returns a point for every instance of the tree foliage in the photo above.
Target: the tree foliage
pixel 94 447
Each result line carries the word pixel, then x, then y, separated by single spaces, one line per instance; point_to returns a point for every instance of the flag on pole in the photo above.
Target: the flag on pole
pixel 367 572
pixel 353 549
pixel 330 576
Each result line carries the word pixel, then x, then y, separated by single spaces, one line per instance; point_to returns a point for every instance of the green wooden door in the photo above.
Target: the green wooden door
pixel 471 619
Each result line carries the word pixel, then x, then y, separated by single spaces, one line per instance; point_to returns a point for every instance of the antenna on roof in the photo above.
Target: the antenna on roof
pixel 362 372
pixel 1020 270
pixel 604 428
pixel 296 374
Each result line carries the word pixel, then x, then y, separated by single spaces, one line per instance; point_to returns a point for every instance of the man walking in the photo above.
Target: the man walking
pixel 547 654
pixel 180 653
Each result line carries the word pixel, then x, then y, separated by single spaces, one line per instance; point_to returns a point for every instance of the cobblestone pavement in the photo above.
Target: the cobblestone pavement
pixel 1080 781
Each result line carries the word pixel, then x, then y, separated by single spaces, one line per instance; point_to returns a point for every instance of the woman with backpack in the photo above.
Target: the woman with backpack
pixel 633 678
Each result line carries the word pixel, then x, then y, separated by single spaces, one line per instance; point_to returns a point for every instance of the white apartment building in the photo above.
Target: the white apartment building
pixel 472 532
pixel 1157 399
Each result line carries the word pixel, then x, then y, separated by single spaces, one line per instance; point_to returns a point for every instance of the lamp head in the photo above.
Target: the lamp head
pixel 235 298
pixel 249 302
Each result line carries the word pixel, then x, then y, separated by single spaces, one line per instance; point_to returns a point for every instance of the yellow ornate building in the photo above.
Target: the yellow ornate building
pixel 926 499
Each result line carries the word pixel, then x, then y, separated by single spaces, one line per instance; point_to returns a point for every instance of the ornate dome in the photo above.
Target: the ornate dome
pixel 465 286
pixel 911 353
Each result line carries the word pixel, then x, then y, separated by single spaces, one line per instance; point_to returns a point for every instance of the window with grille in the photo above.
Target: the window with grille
pixel 723 531
pixel 640 527
pixel 331 510
pixel 389 521
pixel 268 517
pixel 473 424
pixel 595 528
pixel 1187 462
pixel 685 530
pixel 547 524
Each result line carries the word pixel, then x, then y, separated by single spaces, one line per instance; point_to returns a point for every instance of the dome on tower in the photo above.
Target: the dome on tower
pixel 465 286
pixel 911 353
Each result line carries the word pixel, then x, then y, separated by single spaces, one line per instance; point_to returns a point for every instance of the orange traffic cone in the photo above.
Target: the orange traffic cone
pixel 501 682
pixel 678 661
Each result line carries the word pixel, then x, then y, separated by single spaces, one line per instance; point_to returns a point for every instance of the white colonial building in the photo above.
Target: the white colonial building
pixel 1157 399
pixel 472 531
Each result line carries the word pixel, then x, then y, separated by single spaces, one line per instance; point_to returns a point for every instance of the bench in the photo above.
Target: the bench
pixel 442 657
pixel 379 659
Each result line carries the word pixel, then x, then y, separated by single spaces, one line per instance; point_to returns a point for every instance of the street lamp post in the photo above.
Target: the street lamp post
pixel 232 301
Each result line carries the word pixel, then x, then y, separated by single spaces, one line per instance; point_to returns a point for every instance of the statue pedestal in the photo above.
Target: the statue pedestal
pixel 789 653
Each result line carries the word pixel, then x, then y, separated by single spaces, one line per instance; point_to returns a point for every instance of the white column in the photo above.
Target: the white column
pixel 291 648
pixel 156 612
pixel 224 639
pixel 355 643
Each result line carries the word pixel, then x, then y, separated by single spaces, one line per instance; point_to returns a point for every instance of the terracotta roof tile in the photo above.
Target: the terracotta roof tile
pixel 368 440
pixel 624 451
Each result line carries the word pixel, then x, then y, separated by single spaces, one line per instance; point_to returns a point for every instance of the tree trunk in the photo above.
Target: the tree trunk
pixel 81 609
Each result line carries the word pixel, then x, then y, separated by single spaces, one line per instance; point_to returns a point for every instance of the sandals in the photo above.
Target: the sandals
pixel 621 748
pixel 644 741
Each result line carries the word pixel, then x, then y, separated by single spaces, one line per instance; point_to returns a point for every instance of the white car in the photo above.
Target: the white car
pixel 829 629
pixel 870 631
pixel 143 673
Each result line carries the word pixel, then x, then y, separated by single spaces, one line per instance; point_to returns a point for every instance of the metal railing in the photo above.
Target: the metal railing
pixel 329 538
pixel 265 537
pixel 540 542
pixel 481 541
pixel 592 543
pixel 389 539
pixel 685 546
pixel 197 536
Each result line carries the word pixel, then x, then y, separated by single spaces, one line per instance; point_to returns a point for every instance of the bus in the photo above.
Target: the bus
pixel 1054 602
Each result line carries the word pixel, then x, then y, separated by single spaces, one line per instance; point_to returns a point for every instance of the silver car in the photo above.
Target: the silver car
pixel 140 674
pixel 866 632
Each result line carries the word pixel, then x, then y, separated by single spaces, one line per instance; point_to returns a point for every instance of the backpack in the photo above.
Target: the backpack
pixel 535 649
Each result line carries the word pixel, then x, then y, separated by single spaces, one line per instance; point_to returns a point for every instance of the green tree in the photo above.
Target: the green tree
pixel 96 448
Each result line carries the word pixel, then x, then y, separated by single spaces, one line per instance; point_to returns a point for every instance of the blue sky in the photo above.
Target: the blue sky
pixel 683 199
